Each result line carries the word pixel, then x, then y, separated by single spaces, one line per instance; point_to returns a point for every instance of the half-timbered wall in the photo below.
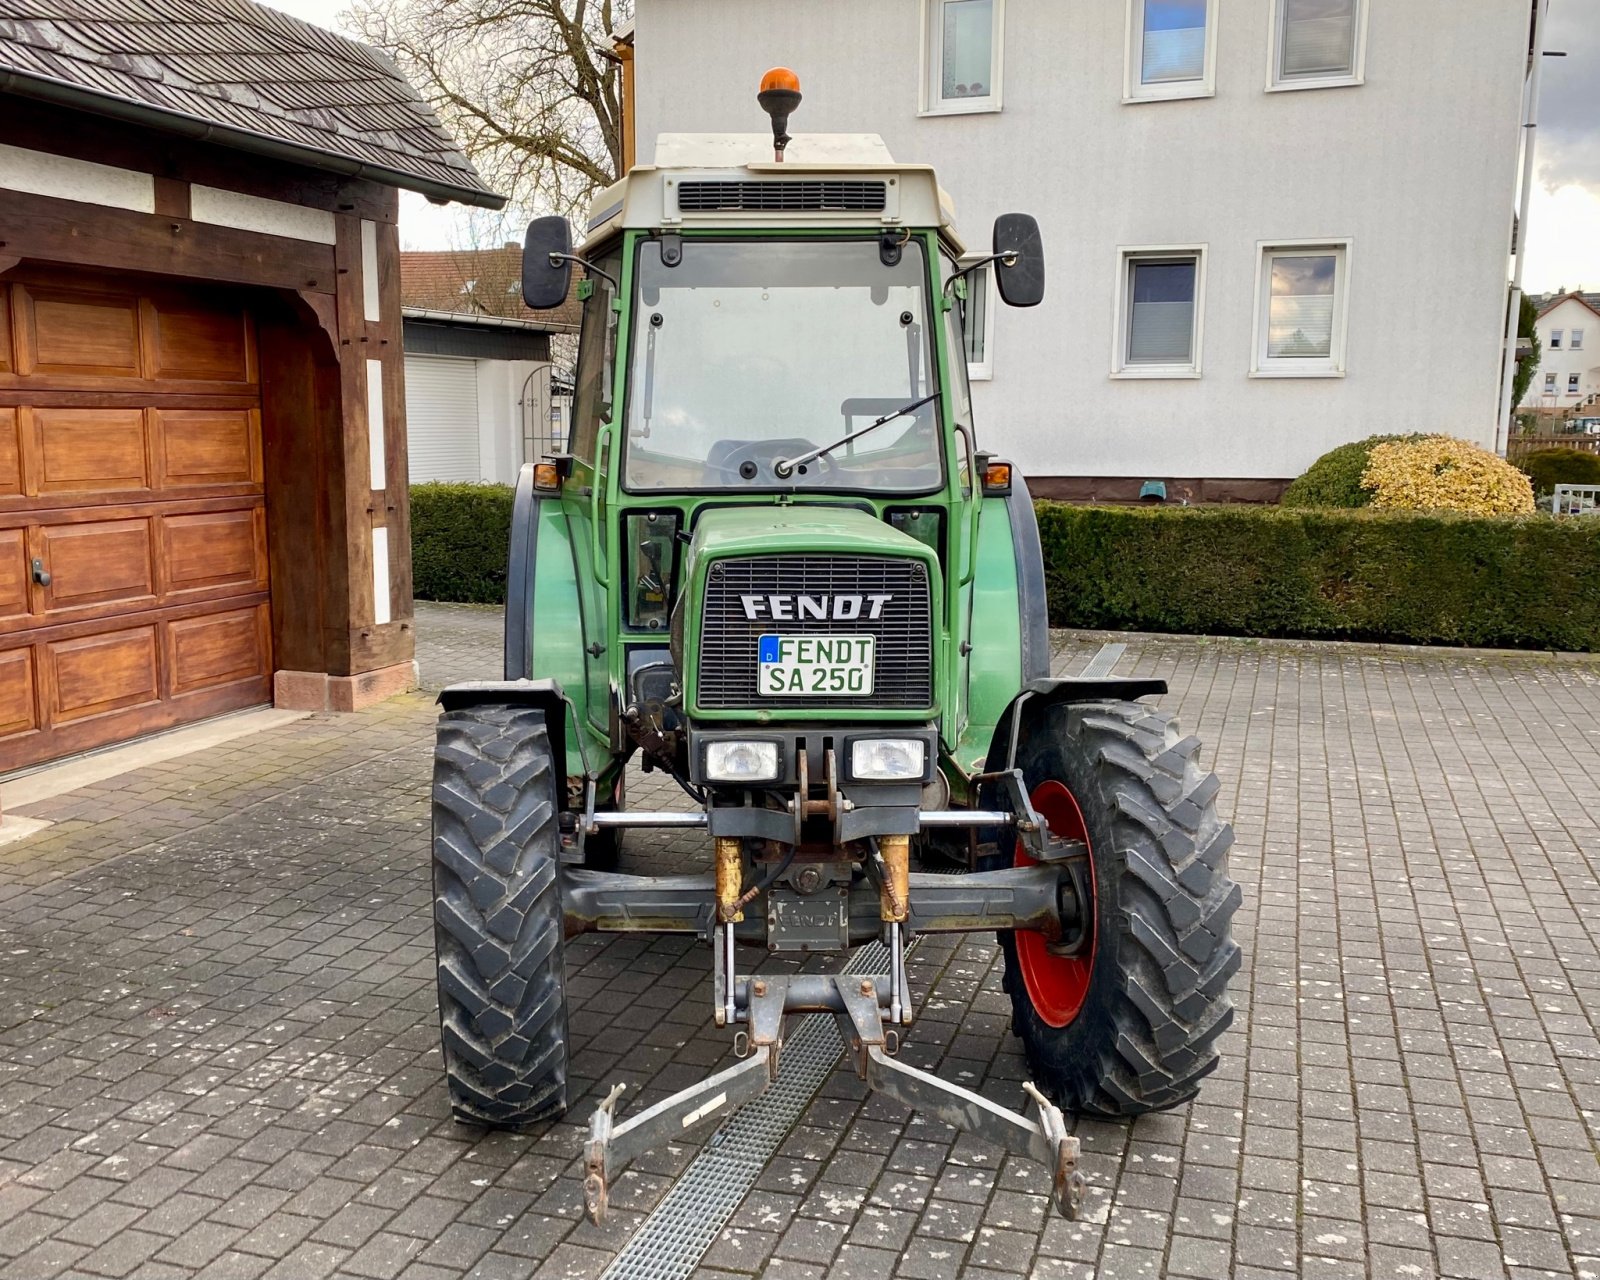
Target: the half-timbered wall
pixel 200 349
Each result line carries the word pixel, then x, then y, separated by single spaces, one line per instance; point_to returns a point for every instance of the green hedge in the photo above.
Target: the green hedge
pixel 460 537
pixel 1516 582
pixel 1549 467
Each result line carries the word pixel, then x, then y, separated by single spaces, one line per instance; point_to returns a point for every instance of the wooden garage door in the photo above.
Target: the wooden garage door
pixel 133 559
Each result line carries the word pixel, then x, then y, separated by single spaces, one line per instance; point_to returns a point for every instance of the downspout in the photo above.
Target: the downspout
pixel 1530 126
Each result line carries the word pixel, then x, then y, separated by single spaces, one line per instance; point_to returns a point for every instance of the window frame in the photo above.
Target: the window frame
pixel 930 99
pixel 1358 56
pixel 1555 339
pixel 1550 382
pixel 1575 340
pixel 1574 384
pixel 1336 364
pixel 1133 87
pixel 1127 255
pixel 981 370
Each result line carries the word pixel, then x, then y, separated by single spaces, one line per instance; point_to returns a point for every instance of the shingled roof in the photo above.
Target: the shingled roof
pixel 240 75
pixel 480 282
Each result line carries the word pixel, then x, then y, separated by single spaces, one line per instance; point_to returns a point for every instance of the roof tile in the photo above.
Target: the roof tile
pixel 244 65
pixel 479 282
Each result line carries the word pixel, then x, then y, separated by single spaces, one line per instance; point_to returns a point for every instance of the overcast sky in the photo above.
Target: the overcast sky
pixel 1564 220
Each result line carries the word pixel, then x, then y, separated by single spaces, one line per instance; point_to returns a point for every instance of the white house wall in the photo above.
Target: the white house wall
pixel 1415 168
pixel 501 411
pixel 1563 361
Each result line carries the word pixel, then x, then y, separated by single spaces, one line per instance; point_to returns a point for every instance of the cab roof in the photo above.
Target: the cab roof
pixel 729 180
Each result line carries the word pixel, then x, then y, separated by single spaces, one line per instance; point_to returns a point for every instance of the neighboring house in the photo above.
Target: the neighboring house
pixel 202 424
pixel 484 390
pixel 1249 207
pixel 1569 352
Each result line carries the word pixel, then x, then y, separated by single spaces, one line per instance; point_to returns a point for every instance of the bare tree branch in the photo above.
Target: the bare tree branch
pixel 528 86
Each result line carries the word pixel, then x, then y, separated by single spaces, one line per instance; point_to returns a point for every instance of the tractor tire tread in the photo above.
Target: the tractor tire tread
pixel 498 924
pixel 1159 999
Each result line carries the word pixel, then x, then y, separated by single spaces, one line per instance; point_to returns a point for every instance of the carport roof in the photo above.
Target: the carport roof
pixel 240 75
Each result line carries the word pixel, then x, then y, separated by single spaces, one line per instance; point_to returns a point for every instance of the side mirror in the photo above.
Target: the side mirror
pixel 546 263
pixel 1021 281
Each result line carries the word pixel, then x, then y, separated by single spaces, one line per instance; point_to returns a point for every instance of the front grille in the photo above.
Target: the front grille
pixel 829 196
pixel 904 648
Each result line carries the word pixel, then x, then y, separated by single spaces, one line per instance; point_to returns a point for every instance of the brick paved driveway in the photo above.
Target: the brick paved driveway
pixel 218 1049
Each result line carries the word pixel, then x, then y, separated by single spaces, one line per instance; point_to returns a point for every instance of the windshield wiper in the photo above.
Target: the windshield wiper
pixel 783 468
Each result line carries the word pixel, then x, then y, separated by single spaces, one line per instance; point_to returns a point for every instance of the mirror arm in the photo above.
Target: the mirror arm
pixel 556 259
pixel 1007 259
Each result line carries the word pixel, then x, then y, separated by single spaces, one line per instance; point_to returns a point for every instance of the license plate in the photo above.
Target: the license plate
pixel 798 666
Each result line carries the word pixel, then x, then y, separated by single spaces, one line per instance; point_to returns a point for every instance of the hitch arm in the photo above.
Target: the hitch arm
pixel 613 1145
pixel 1046 1140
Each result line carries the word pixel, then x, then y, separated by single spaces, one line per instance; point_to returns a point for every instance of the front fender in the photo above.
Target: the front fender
pixel 1037 695
pixel 541 695
pixel 544 641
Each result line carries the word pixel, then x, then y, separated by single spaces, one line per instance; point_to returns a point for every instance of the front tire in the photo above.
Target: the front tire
pixel 1131 1025
pixel 498 926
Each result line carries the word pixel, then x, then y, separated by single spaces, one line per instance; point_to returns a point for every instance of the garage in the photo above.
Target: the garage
pixel 133 559
pixel 203 499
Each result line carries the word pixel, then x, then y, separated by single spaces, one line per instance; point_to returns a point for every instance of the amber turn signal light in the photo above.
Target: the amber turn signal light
pixel 546 476
pixel 997 478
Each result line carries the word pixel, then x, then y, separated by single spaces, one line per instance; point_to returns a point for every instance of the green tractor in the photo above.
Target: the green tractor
pixel 776 565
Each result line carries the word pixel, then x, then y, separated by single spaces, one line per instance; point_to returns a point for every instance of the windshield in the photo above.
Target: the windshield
pixel 748 353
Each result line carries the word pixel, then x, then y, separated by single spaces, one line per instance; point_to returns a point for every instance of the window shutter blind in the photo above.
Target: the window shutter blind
pixel 1174 55
pixel 1300 315
pixel 1161 312
pixel 1301 326
pixel 1161 333
pixel 442 418
pixel 1318 37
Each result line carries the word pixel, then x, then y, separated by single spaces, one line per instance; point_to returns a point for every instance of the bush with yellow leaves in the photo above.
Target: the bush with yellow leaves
pixel 1440 473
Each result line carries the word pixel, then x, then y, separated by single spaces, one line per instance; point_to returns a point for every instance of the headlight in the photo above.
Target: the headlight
pixel 741 761
pixel 888 759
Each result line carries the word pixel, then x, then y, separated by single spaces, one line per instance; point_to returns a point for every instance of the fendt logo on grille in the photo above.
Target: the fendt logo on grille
pixel 794 608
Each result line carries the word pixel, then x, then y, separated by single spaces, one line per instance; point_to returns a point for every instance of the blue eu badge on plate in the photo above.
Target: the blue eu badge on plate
pixel 769 650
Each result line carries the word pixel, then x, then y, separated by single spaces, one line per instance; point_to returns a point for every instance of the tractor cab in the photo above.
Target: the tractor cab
pixel 775 564
pixel 780 330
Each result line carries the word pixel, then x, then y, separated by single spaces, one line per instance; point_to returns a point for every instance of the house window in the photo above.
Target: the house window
pixel 1317 43
pixel 977 322
pixel 1572 384
pixel 1300 314
pixel 1159 313
pixel 1171 49
pixel 1555 339
pixel 1577 341
pixel 1550 384
pixel 962 44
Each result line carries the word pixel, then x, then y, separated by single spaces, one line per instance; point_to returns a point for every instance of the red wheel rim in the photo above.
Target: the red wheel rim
pixel 1056 985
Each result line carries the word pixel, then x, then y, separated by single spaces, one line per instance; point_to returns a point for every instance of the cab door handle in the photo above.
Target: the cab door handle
pixel 41 575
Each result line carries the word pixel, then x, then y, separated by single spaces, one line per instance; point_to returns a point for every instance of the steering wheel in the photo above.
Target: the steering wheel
pixel 748 460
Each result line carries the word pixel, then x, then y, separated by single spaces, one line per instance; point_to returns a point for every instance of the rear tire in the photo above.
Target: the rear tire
pixel 1132 1027
pixel 498 926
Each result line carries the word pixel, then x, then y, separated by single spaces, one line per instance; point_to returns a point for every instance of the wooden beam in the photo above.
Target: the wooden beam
pixel 61 131
pixel 66 231
pixel 397 496
pixel 172 197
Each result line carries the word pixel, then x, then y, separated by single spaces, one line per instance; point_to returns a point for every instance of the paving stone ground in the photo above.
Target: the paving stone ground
pixel 219 1052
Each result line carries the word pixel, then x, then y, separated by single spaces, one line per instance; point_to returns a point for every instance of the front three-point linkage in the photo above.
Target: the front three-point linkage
pixel 860 1004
